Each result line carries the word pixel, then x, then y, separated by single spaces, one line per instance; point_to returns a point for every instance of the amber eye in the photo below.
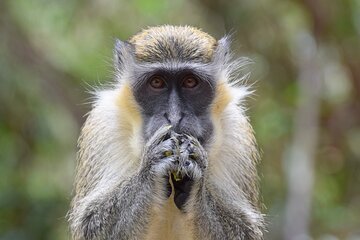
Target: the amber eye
pixel 157 82
pixel 189 82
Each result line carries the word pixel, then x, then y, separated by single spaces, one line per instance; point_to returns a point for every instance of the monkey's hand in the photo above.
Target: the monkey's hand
pixel 159 159
pixel 191 166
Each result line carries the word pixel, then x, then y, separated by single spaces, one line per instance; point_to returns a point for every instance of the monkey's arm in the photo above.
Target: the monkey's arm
pixel 119 214
pixel 216 217
pixel 123 212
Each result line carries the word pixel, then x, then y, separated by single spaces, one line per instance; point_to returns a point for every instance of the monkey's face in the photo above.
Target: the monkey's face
pixel 176 96
pixel 173 73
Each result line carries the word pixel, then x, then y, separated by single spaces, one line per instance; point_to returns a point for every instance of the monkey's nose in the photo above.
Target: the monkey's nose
pixel 174 119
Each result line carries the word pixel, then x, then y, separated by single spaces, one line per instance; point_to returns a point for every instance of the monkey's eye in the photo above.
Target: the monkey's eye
pixel 157 82
pixel 189 82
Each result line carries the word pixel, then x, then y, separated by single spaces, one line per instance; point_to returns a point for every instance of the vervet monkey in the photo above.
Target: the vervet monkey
pixel 167 152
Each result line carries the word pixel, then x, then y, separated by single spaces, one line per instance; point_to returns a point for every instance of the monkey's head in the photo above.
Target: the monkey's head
pixel 174 73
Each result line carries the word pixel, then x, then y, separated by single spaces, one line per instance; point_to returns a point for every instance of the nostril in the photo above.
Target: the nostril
pixel 181 116
pixel 166 116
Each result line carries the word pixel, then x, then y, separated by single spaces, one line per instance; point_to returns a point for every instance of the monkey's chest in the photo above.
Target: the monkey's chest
pixel 168 223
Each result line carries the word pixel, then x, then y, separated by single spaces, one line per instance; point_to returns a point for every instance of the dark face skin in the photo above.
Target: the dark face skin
pixel 180 97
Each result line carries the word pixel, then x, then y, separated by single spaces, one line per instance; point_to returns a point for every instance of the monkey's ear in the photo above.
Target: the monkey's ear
pixel 123 55
pixel 222 51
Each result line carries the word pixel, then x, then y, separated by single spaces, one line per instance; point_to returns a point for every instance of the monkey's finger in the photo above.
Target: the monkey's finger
pixel 168 186
pixel 193 140
pixel 175 135
pixel 167 149
pixel 159 135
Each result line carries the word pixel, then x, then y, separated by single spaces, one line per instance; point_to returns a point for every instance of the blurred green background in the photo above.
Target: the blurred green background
pixel 305 112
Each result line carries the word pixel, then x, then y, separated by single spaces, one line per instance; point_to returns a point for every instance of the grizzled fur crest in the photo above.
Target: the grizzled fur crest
pixel 163 43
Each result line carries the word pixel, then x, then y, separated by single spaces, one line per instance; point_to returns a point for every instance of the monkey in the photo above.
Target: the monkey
pixel 167 152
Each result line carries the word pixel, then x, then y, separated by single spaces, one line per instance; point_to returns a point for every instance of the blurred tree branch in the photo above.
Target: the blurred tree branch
pixel 338 19
pixel 299 160
pixel 322 17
